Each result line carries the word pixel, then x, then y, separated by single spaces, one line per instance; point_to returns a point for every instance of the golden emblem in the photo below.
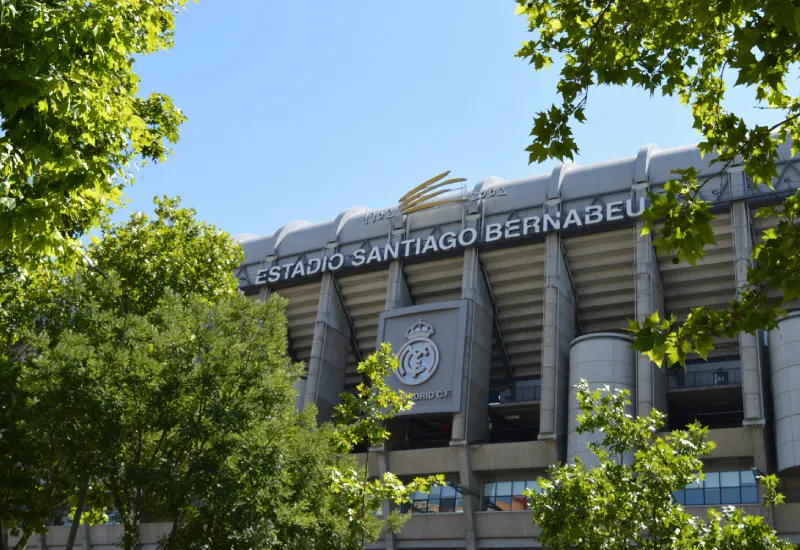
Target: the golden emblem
pixel 414 199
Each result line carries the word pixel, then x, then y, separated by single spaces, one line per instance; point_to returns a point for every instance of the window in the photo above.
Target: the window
pixel 720 488
pixel 500 496
pixel 442 498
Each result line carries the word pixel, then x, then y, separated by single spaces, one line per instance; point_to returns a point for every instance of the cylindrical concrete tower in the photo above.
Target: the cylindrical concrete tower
pixel 602 358
pixel 784 358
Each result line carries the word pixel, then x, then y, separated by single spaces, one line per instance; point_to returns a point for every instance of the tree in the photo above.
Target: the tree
pixel 127 273
pixel 684 49
pixel 621 504
pixel 71 123
pixel 362 419
pixel 147 383
pixel 299 487
pixel 157 415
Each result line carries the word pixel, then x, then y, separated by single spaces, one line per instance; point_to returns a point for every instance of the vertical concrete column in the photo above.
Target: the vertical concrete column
pixel 264 293
pixel 329 350
pixel 471 497
pixel 749 344
pixel 559 328
pixel 651 381
pixel 472 422
pixel 389 539
pixel 602 359
pixel 784 354
pixel 397 294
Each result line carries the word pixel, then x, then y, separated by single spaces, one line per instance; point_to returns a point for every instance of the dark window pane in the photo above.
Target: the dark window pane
pixel 749 495
pixel 459 505
pixel 488 489
pixel 405 508
pixel 712 496
pixel 448 492
pixel 679 496
pixel 420 506
pixel 730 495
pixel 433 506
pixel 517 487
pixel 447 505
pixel 748 478
pixel 488 504
pixel 694 497
pixel 712 480
pixel 436 491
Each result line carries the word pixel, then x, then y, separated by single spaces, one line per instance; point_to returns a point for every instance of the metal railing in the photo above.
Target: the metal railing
pixel 525 393
pixel 701 379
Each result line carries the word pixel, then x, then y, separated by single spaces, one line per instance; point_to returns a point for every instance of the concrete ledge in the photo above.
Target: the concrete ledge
pixel 439 460
pixel 731 443
pixel 514 456
pixel 434 527
pixel 499 525
pixel 101 537
pixel 373 462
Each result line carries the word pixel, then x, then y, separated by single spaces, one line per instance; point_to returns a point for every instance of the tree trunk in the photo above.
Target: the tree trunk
pixel 76 520
pixel 3 537
pixel 23 541
pixel 173 534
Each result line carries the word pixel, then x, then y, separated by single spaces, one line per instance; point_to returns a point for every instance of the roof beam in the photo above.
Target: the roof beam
pixel 353 341
pixel 496 324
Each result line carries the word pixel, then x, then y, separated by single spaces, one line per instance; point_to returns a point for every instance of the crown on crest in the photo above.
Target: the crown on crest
pixel 420 329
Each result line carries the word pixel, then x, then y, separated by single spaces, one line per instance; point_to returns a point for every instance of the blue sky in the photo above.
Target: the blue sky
pixel 300 110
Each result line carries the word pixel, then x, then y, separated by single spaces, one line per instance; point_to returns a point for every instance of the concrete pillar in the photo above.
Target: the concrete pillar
pixel 784 355
pixel 651 380
pixel 472 422
pixel 600 358
pixel 397 294
pixel 749 344
pixel 390 542
pixel 300 386
pixel 329 350
pixel 471 497
pixel 559 328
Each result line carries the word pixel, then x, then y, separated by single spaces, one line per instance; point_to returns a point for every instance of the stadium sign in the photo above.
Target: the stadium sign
pixel 511 229
pixel 430 340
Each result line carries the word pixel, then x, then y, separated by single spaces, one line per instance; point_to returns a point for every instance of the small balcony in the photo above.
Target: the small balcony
pixel 720 376
pixel 708 391
pixel 514 412
pixel 704 375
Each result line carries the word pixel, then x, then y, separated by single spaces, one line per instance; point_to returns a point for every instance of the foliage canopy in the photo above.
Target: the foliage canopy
pixel 71 122
pixel 622 503
pixel 684 49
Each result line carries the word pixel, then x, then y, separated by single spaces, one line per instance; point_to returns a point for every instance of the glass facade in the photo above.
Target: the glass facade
pixel 441 499
pixel 720 488
pixel 500 496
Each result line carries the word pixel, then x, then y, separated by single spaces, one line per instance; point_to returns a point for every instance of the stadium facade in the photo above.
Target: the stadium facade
pixel 498 305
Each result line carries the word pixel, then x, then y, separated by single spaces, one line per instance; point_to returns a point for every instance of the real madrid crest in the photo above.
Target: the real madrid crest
pixel 418 357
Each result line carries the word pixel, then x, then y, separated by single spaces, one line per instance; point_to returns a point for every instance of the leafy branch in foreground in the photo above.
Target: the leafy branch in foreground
pixel 622 504
pixel 684 49
pixel 362 420
pixel 72 125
